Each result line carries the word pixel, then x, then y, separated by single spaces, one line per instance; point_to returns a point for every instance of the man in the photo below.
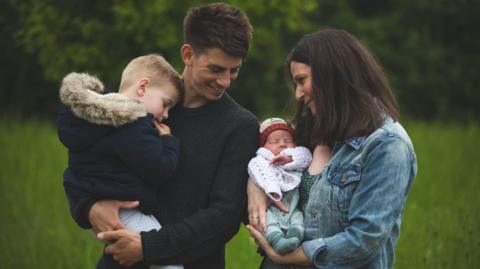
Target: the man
pixel 202 206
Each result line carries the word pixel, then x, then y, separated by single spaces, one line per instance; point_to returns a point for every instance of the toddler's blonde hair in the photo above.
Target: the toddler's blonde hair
pixel 153 67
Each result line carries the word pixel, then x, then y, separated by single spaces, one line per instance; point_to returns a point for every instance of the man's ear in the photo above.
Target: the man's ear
pixel 187 54
pixel 142 86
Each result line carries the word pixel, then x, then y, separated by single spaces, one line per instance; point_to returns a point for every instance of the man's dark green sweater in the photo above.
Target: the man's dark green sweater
pixel 200 208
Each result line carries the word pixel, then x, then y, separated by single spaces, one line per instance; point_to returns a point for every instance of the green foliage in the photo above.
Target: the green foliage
pixel 440 226
pixel 429 48
pixel 439 229
pixel 37 230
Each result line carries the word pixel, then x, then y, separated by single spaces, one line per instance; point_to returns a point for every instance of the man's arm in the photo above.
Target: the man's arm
pixel 209 229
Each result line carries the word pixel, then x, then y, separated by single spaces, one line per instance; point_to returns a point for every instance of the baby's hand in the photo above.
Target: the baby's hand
pixel 281 160
pixel 163 129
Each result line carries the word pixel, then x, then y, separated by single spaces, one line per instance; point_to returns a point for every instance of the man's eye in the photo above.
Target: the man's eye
pixel 235 70
pixel 216 69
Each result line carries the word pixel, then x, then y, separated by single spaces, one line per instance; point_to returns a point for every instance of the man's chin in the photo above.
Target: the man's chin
pixel 217 95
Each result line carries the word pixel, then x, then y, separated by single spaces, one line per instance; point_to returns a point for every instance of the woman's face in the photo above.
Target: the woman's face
pixel 302 81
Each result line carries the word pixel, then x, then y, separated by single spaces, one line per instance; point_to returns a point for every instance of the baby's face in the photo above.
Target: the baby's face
pixel 159 99
pixel 279 140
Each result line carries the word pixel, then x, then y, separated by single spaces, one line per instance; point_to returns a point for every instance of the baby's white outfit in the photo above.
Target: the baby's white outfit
pixel 282 178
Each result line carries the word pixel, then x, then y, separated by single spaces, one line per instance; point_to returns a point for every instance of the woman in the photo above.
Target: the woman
pixel 354 191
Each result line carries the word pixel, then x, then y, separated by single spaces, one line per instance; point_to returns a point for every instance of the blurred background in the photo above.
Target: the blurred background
pixel 429 49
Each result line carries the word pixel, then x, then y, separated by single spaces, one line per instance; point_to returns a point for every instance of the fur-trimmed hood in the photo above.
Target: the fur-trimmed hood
pixel 82 93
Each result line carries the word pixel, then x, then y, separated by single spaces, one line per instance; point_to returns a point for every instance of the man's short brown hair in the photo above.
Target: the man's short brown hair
pixel 153 67
pixel 218 25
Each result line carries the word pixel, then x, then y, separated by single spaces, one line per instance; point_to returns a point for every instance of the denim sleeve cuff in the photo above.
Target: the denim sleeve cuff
pixel 312 248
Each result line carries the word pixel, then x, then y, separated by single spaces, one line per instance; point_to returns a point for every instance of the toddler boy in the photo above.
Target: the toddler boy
pixel 133 153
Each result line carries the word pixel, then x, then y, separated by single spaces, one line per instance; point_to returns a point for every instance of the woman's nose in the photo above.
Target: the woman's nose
pixel 299 94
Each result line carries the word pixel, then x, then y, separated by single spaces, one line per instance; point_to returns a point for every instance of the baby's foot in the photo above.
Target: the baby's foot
pixel 281 244
pixel 295 231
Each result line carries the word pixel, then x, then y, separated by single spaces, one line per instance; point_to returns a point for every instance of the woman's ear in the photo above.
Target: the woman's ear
pixel 187 54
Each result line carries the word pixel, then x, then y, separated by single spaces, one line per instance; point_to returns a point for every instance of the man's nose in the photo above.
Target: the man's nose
pixel 224 80
pixel 165 114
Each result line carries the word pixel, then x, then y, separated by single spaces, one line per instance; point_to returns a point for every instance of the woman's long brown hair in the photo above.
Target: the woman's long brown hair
pixel 351 93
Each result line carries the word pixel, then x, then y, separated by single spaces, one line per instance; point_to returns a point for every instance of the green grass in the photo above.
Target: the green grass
pixel 440 226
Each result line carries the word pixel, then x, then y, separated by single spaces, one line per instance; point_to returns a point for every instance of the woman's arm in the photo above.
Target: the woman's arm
pixel 257 206
pixel 375 207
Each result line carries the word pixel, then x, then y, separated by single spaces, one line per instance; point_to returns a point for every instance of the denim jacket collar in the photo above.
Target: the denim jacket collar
pixel 354 142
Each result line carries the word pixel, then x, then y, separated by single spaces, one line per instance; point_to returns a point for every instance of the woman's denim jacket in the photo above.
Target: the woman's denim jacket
pixel 354 211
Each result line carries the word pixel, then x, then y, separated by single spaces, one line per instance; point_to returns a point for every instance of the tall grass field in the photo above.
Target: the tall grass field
pixel 440 229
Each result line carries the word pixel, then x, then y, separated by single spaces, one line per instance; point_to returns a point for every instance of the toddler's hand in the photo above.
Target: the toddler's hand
pixel 281 160
pixel 163 129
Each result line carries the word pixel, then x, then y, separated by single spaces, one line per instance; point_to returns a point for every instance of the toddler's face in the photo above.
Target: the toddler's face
pixel 279 140
pixel 159 100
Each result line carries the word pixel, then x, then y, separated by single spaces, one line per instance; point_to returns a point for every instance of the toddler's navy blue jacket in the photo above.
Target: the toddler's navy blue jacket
pixel 129 162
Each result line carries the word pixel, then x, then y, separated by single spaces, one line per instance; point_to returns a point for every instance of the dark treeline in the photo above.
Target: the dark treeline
pixel 429 48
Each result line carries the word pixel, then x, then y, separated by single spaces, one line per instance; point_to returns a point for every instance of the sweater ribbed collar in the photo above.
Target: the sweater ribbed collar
pixel 206 108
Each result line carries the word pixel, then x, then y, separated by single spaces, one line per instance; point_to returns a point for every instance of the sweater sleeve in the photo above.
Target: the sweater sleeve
pixel 209 229
pixel 301 157
pixel 151 156
pixel 264 176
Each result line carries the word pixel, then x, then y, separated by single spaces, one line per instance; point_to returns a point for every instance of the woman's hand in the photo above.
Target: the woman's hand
pixel 297 256
pixel 257 206
pixel 103 215
pixel 127 246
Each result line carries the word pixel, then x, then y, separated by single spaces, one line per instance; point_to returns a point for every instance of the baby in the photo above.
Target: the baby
pixel 277 169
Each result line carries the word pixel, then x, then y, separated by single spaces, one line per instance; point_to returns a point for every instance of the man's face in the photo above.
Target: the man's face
pixel 209 74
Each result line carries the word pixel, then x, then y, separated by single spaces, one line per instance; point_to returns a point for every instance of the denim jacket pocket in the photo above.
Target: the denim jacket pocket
pixel 342 181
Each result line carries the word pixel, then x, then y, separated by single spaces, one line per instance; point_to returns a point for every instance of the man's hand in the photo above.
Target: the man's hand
pixel 103 215
pixel 162 128
pixel 281 160
pixel 127 246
